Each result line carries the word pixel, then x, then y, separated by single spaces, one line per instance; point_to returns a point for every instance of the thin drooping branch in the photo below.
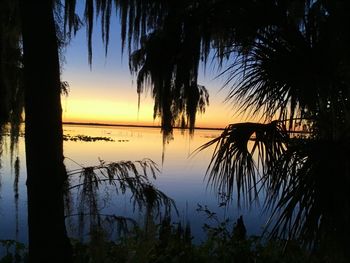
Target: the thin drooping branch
pixel 120 177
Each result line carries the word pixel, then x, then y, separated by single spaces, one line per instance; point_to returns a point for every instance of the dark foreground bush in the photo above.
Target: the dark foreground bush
pixel 173 243
pixel 167 242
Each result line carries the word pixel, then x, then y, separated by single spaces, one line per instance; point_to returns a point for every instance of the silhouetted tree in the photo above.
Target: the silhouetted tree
pixel 46 173
pixel 289 65
pixel 168 58
pixel 43 130
pixel 11 75
pixel 292 66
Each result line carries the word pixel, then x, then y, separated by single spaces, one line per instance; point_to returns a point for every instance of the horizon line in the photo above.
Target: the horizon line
pixel 132 125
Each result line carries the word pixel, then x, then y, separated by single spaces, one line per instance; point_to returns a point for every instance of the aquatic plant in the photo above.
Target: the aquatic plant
pixel 86 138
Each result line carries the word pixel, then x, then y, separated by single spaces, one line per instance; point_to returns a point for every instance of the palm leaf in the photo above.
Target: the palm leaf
pixel 232 164
pixel 305 201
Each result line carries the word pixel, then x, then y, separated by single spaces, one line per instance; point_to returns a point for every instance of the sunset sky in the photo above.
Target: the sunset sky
pixel 106 93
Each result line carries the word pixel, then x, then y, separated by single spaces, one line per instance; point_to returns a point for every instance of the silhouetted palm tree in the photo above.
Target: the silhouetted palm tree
pixel 296 72
pixel 289 63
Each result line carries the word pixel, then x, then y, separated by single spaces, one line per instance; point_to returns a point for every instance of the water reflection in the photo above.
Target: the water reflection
pixel 181 176
pixel 13 203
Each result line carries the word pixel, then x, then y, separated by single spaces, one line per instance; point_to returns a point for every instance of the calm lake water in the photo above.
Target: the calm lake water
pixel 181 176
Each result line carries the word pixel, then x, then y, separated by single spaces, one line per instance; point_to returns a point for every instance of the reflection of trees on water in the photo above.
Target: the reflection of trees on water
pixel 288 60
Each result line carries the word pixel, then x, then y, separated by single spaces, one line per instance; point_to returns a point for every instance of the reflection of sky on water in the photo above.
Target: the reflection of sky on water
pixel 7 194
pixel 181 177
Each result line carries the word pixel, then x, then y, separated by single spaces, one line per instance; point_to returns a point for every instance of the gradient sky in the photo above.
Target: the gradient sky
pixel 106 93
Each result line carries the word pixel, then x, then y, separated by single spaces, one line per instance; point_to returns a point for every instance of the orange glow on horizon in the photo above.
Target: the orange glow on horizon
pixel 127 113
pixel 110 106
pixel 107 111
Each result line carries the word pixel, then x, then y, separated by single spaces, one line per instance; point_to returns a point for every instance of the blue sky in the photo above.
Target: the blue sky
pixel 106 92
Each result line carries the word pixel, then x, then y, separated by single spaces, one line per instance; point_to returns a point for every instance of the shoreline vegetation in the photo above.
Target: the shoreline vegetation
pixel 172 242
pixel 99 124
pixel 158 126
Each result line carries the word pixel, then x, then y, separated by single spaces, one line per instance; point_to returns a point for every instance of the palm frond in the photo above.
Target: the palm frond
pixel 304 179
pixel 232 164
pixel 273 78
pixel 306 192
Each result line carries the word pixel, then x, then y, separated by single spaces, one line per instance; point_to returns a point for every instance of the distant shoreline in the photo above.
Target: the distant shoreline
pixel 132 125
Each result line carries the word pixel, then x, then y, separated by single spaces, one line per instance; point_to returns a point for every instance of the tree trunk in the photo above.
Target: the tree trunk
pixel 48 241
